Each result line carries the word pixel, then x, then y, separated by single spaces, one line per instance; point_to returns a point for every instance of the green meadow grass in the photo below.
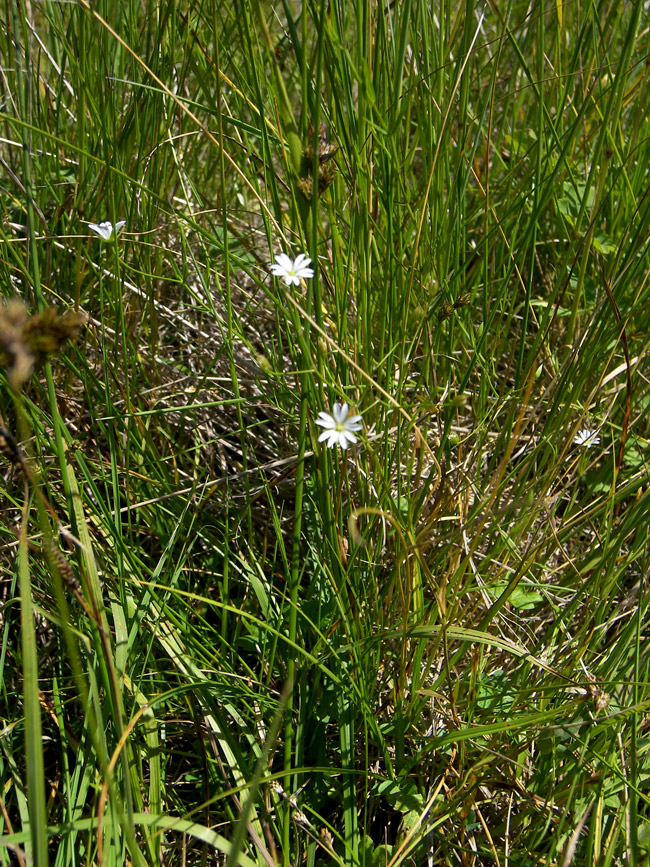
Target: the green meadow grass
pixel 220 641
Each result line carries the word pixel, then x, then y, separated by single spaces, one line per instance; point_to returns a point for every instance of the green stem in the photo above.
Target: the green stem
pixel 289 732
pixel 33 730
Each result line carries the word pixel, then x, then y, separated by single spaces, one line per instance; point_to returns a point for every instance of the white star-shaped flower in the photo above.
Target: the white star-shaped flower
pixel 105 228
pixel 339 427
pixel 292 270
pixel 586 438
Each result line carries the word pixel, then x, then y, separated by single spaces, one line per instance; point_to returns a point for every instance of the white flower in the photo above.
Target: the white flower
pixel 339 428
pixel 586 438
pixel 105 229
pixel 292 270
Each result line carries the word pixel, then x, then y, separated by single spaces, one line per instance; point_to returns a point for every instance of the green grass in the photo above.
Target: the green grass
pixel 430 649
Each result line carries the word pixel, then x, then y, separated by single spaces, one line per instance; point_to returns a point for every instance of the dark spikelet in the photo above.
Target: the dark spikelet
pixel 45 333
pixel 30 339
pixel 326 171
pixel 10 449
pixel 64 568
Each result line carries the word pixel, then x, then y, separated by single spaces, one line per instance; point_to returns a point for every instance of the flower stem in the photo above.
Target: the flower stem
pixel 289 732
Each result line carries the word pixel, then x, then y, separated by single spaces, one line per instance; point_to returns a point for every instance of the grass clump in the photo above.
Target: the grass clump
pixel 222 641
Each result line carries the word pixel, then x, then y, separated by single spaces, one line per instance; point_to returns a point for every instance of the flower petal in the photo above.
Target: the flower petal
pixel 332 437
pixel 302 261
pixel 103 229
pixel 285 262
pixel 326 420
pixel 346 435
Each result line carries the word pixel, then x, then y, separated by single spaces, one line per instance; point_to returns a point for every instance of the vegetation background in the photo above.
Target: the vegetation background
pixel 222 642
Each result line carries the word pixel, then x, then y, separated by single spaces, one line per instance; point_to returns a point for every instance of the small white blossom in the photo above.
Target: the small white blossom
pixel 292 270
pixel 339 427
pixel 105 228
pixel 586 438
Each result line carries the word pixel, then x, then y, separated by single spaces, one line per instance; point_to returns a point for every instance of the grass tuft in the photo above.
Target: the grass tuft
pixel 223 642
